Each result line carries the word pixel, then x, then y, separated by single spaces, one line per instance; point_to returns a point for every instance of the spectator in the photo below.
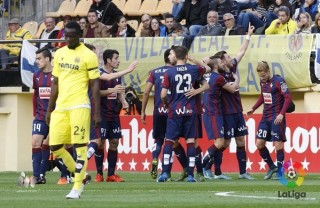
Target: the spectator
pixel 304 23
pixel 257 17
pixel 213 28
pixel 223 7
pixel 107 11
pixel 83 23
pixel 146 20
pixel 169 21
pixel 177 6
pixel 156 28
pixel 134 103
pixel 284 25
pixel 310 6
pixel 95 29
pixel 121 29
pixel 231 27
pixel 51 32
pixel 316 27
pixel 274 15
pixel 296 6
pixel 195 12
pixel 246 4
pixel 9 53
pixel 66 20
pixel 178 30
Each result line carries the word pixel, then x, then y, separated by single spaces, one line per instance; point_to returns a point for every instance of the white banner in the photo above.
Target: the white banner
pixel 28 65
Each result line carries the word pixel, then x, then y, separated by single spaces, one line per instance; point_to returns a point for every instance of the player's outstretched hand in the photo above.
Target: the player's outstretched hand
pixel 97 120
pixel 279 119
pixel 143 118
pixel 119 88
pixel 191 93
pixel 48 117
pixel 133 66
pixel 250 112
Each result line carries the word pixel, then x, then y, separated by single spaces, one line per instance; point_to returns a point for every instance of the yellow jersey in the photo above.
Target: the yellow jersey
pixel 74 68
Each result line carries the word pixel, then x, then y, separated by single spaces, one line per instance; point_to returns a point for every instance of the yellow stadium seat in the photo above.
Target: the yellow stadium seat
pixel 32 27
pixel 133 24
pixel 131 7
pixel 81 9
pixel 165 6
pixel 65 7
pixel 138 31
pixel 119 3
pixel 41 28
pixel 60 25
pixel 148 7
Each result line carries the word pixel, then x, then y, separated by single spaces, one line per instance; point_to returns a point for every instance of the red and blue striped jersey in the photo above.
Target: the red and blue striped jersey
pixel 274 92
pixel 179 80
pixel 110 109
pixel 212 97
pixel 156 77
pixel 42 90
pixel 231 103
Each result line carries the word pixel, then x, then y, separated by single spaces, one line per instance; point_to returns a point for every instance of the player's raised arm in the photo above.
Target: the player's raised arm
pixel 131 68
pixel 53 98
pixel 245 44
pixel 199 63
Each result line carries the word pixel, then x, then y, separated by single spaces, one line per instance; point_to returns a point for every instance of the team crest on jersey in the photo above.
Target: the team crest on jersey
pixel 77 60
pixel 284 87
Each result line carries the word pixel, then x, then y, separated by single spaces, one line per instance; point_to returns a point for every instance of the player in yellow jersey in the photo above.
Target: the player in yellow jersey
pixel 75 67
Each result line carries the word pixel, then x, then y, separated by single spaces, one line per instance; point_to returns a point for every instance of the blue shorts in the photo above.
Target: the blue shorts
pixel 111 129
pixel 234 125
pixel 214 126
pixel 199 121
pixel 40 127
pixel 159 126
pixel 184 126
pixel 95 133
pixel 271 132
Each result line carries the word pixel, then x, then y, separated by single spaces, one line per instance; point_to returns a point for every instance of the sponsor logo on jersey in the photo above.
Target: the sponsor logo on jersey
pixel 44 92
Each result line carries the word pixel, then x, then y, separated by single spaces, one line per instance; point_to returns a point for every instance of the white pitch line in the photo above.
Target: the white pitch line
pixel 258 197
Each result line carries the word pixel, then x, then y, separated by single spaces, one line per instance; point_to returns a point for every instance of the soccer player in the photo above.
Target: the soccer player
pixel 40 130
pixel 182 118
pixel 96 146
pixel 160 113
pixel 75 66
pixel 234 122
pixel 276 99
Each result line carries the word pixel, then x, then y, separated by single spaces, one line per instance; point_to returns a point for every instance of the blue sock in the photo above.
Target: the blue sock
pixel 45 154
pixel 112 161
pixel 280 159
pixel 264 153
pixel 99 157
pixel 36 161
pixel 199 160
pixel 92 148
pixel 181 155
pixel 242 159
pixel 191 152
pixel 157 148
pixel 167 152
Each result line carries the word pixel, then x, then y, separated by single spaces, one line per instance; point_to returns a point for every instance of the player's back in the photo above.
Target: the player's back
pixel 73 69
pixel 42 86
pixel 179 80
pixel 156 77
pixel 212 97
pixel 273 92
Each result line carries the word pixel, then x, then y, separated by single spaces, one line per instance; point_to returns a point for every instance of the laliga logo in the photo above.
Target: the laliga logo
pixel 291 169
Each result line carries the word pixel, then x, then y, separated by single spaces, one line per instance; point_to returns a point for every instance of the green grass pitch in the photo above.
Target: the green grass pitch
pixel 140 190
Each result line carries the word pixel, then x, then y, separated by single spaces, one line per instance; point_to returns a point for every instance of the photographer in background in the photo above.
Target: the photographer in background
pixel 134 103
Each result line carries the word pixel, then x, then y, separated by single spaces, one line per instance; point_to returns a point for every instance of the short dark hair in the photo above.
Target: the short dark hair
pixel 220 54
pixel 108 54
pixel 180 51
pixel 93 11
pixel 45 52
pixel 74 25
pixel 213 61
pixel 167 15
pixel 284 9
pixel 166 56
